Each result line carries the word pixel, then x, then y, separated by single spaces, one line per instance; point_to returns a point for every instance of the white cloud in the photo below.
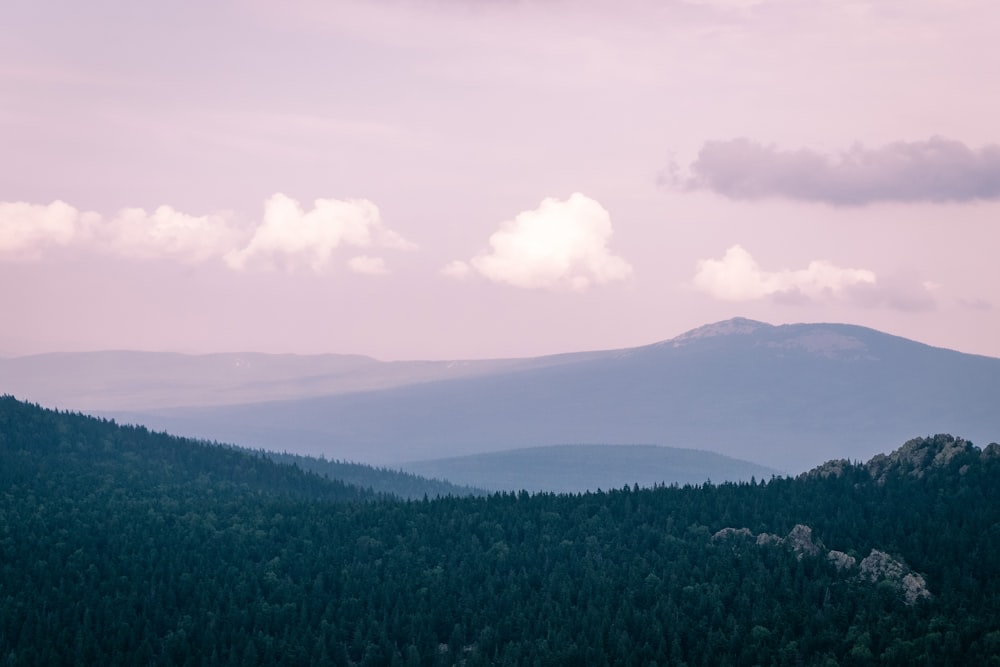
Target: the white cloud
pixel 135 234
pixel 738 277
pixel 373 266
pixel 289 235
pixel 559 245
pixel 27 228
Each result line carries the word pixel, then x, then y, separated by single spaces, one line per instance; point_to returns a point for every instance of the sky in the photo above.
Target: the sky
pixel 448 179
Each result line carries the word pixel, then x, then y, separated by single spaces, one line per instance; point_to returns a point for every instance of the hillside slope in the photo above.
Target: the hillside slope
pixel 66 447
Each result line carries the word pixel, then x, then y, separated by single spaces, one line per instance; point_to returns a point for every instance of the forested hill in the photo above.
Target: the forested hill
pixel 888 562
pixel 97 456
pixel 63 445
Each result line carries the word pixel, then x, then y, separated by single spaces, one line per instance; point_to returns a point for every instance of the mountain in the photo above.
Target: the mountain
pixel 579 468
pixel 119 546
pixel 788 397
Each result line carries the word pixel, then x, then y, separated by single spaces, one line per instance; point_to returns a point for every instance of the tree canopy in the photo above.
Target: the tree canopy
pixel 122 546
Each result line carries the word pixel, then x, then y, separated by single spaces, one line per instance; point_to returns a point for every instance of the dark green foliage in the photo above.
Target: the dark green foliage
pixel 119 546
pixel 380 480
pixel 65 448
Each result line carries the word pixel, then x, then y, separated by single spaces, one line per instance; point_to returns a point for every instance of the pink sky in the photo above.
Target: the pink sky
pixel 455 179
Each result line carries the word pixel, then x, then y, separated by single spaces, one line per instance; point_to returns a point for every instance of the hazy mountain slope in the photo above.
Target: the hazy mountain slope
pixel 579 468
pixel 128 380
pixel 786 396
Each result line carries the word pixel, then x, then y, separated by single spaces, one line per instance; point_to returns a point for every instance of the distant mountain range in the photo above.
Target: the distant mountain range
pixel 129 380
pixel 789 397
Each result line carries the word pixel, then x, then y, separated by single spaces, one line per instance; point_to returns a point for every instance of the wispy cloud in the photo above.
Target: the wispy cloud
pixel 936 170
pixel 457 269
pixel 976 304
pixel 372 266
pixel 900 292
pixel 559 245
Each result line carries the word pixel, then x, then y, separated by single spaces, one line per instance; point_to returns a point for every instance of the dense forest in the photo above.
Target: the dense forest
pixel 386 481
pixel 122 546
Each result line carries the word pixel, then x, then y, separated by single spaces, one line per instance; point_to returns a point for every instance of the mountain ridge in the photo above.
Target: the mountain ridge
pixel 786 396
pixel 139 380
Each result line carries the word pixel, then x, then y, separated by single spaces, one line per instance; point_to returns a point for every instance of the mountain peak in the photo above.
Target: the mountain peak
pixel 738 326
pixel 832 341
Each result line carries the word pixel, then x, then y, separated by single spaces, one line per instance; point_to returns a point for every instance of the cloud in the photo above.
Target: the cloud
pixel 901 291
pixel 167 233
pixel 289 235
pixel 25 229
pixel 559 245
pixel 936 170
pixel 738 277
pixel 976 304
